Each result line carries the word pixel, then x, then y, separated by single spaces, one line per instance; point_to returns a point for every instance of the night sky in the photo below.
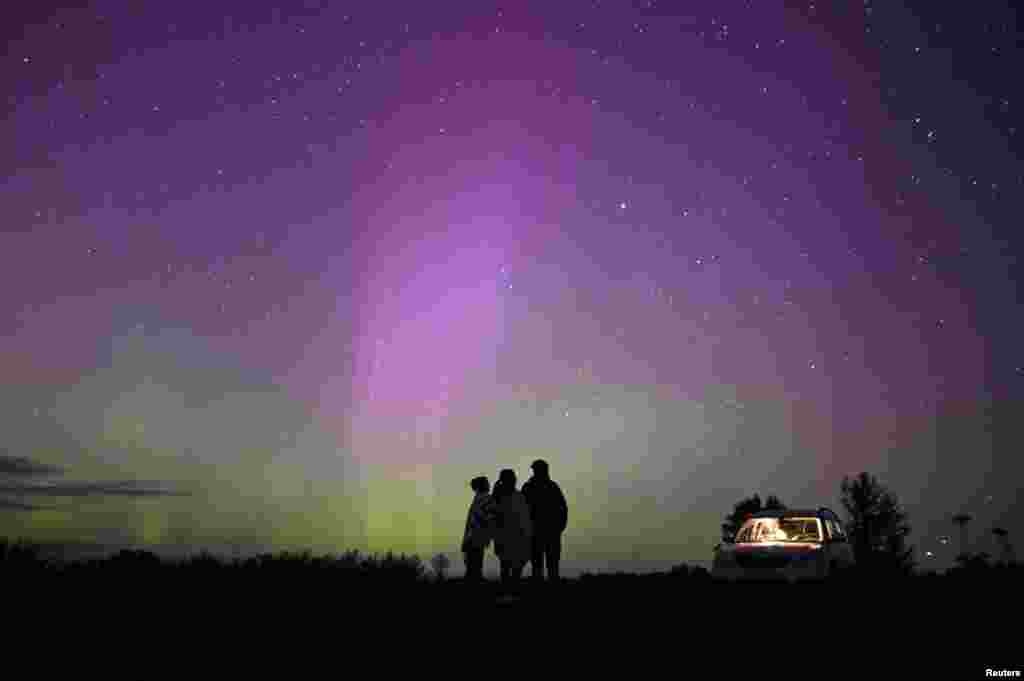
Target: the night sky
pixel 289 275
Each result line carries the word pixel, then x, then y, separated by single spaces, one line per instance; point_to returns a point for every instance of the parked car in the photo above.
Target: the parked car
pixel 787 545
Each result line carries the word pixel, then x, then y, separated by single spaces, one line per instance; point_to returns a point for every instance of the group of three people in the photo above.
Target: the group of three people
pixel 525 526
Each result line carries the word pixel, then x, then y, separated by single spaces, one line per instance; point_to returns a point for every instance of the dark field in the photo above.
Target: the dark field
pixel 950 625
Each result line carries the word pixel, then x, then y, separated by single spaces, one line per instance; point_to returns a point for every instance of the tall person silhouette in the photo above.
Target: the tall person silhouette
pixel 549 514
pixel 514 531
pixel 477 536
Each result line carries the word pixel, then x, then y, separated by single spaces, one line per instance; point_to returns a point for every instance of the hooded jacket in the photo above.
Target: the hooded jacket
pixel 478 522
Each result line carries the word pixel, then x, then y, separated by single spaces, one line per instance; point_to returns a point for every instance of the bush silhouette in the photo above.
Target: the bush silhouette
pixel 353 579
pixel 22 556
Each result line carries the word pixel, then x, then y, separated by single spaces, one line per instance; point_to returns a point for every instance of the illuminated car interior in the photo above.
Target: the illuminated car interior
pixel 780 530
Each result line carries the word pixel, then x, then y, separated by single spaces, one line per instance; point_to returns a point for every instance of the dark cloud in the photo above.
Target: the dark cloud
pixel 19 465
pixel 12 505
pixel 85 489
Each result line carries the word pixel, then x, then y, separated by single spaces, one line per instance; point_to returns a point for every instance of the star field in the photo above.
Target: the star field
pixel 316 265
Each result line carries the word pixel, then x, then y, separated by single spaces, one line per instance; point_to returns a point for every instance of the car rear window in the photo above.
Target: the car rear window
pixel 774 530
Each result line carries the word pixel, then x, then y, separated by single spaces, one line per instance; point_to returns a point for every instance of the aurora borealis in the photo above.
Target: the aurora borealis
pixel 313 269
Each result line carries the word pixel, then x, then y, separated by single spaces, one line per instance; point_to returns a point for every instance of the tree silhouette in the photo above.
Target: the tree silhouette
pixel 1005 549
pixel 973 561
pixel 744 508
pixel 877 525
pixel 961 520
pixel 440 563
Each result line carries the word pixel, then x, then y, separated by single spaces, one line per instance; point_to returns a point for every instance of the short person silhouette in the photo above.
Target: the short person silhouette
pixel 477 536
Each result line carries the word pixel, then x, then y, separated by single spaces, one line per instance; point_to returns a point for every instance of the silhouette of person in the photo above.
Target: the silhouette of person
pixel 513 529
pixel 549 514
pixel 477 536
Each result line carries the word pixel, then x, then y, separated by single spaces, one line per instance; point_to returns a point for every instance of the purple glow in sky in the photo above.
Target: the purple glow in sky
pixel 323 266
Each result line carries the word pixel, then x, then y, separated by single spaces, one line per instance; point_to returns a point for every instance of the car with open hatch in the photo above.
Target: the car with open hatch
pixel 785 545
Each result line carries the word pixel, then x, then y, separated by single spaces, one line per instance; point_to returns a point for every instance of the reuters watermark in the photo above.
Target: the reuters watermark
pixel 1002 673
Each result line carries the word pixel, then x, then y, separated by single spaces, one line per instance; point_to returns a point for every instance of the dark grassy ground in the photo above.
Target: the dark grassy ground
pixel 948 626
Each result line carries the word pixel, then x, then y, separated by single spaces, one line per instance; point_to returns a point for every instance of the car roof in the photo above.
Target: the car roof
pixel 796 512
